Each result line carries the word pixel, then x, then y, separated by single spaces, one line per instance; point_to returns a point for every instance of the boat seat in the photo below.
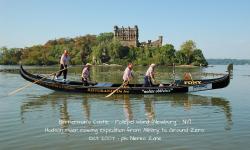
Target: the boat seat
pixel 104 84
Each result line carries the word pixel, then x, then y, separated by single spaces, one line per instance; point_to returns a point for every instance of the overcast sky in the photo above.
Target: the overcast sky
pixel 221 28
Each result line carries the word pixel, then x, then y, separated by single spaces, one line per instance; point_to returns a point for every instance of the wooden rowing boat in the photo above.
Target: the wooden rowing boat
pixel 180 86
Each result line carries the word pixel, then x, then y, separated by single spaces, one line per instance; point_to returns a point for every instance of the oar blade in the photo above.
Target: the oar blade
pixel 109 95
pixel 115 91
pixel 112 93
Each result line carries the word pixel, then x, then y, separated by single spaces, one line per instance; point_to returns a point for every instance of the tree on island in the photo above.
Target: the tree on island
pixel 189 54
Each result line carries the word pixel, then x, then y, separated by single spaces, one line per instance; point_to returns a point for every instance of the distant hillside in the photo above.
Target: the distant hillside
pixel 228 61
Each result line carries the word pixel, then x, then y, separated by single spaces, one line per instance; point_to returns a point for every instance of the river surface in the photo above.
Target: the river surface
pixel 39 118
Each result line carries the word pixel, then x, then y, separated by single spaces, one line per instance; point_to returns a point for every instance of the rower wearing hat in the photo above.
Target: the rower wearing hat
pixel 149 76
pixel 86 74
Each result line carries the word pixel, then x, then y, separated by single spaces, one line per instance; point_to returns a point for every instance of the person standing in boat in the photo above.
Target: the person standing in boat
pixel 149 76
pixel 127 75
pixel 64 62
pixel 86 75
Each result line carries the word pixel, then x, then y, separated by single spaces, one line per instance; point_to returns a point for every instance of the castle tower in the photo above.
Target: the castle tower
pixel 160 40
pixel 127 36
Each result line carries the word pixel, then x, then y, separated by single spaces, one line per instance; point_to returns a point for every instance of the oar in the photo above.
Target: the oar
pixel 29 84
pixel 117 89
pixel 155 81
pixel 173 73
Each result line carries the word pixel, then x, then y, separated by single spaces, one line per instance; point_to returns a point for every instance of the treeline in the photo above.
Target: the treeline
pixel 228 61
pixel 102 49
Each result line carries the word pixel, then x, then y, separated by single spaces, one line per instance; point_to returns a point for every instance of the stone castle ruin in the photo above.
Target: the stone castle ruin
pixel 129 37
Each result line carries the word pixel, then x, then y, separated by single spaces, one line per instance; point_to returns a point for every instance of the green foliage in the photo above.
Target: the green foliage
pixel 189 54
pixel 9 56
pixel 114 47
pixel 102 49
pixel 167 54
pixel 188 48
pixel 198 58
pixel 105 37
pixel 180 58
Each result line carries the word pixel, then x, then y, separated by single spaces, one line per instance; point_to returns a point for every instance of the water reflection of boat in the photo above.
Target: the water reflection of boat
pixel 64 114
pixel 179 86
pixel 187 101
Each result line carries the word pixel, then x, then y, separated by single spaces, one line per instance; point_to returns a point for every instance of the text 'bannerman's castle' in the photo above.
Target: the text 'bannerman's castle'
pixel 129 37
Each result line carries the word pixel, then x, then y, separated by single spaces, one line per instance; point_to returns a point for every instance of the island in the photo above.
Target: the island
pixel 118 47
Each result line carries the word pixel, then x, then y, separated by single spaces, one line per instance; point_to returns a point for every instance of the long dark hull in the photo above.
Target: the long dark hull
pixel 179 87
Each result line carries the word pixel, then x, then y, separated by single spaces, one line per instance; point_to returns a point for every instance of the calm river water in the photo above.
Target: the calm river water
pixel 38 118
